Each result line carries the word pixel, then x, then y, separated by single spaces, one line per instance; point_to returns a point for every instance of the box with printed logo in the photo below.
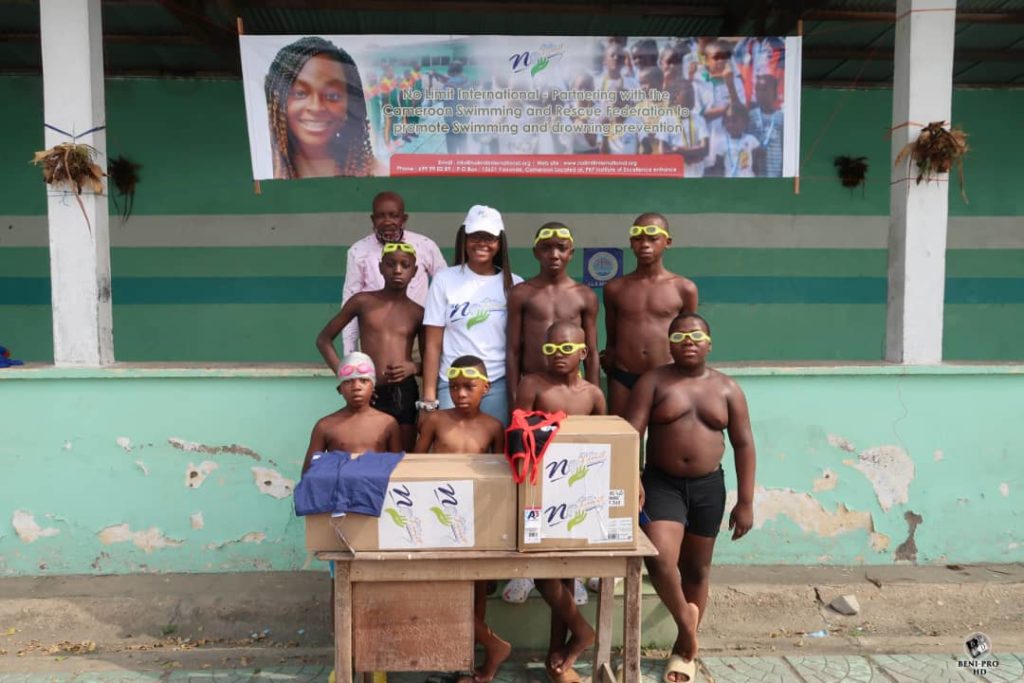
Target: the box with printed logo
pixel 433 502
pixel 586 494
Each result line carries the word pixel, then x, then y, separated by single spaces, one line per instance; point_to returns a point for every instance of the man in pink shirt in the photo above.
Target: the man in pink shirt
pixel 362 271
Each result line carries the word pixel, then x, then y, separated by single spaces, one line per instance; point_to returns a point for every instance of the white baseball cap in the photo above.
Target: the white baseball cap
pixel 483 219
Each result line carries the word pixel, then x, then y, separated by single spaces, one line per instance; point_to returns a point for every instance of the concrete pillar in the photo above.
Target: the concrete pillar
pixel 73 103
pixel 922 93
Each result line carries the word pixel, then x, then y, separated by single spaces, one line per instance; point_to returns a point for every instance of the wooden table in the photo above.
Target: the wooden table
pixel 448 566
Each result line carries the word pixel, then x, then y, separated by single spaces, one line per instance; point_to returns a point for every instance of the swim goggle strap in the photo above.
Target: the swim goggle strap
pixel 548 233
pixel 550 349
pixel 639 230
pixel 696 336
pixel 392 247
pixel 468 373
pixel 357 371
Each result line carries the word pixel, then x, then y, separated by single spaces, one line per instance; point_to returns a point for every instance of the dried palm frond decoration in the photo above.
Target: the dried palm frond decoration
pixel 852 170
pixel 935 151
pixel 124 175
pixel 71 165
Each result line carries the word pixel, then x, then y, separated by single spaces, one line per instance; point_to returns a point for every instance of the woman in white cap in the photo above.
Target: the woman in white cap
pixel 466 311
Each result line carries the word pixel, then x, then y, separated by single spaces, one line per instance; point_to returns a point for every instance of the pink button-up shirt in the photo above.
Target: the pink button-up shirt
pixel 362 274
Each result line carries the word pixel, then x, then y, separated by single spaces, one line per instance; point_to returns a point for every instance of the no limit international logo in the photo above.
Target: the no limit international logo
pixel 537 60
pixel 978 647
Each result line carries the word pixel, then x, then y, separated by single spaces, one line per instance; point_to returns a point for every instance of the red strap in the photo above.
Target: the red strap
pixel 531 457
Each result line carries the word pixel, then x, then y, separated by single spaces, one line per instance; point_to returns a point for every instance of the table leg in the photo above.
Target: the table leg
pixel 603 646
pixel 631 622
pixel 342 622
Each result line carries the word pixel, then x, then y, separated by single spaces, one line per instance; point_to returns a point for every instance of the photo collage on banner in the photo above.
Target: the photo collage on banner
pixel 322 106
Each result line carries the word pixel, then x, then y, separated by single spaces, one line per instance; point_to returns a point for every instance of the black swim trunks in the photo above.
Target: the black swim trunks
pixel 698 503
pixel 626 379
pixel 398 400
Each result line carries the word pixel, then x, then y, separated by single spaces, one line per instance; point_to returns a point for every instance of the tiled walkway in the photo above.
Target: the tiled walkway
pixel 908 668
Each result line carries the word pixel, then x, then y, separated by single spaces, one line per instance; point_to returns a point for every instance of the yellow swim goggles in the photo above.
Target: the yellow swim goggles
pixel 392 247
pixel 468 373
pixel 548 233
pixel 697 336
pixel 566 348
pixel 638 230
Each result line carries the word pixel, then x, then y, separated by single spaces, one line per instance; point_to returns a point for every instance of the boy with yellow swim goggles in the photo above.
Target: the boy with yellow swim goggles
pixel 544 299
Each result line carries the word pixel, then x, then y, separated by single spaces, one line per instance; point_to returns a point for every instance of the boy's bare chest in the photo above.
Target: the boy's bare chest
pixel 356 435
pixel 551 306
pixel 573 402
pixel 643 298
pixel 397 318
pixel 685 401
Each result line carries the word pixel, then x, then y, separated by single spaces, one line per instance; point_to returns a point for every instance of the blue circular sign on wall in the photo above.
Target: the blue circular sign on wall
pixel 601 265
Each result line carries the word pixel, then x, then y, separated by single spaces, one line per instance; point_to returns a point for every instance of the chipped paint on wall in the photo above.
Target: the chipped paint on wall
pixel 196 520
pixel 251 537
pixel 842 443
pixel 826 482
pixel 125 443
pixel 142 466
pixel 907 550
pixel 1004 489
pixel 195 476
pixel 148 540
pixel 938 455
pixel 804 510
pixel 193 447
pixel 272 483
pixel 28 529
pixel 890 471
pixel 879 542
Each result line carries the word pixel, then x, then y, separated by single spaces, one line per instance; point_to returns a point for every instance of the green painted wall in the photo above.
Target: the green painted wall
pixel 196 300
pixel 267 303
pixel 95 484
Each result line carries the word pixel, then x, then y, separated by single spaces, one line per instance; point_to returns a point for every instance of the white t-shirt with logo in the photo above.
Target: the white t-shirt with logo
pixel 473 311
pixel 737 154
pixel 693 132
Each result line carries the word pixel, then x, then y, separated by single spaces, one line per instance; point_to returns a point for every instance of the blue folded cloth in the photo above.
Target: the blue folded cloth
pixel 338 483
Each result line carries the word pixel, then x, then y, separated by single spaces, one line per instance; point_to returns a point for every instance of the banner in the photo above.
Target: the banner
pixel 321 106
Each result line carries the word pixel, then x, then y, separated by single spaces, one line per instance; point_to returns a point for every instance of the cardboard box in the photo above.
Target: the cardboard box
pixel 587 493
pixel 434 502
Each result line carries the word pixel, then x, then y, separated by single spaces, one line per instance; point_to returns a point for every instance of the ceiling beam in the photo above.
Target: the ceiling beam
pixel 222 39
pixel 114 38
pixel 890 17
pixel 487 7
pixel 886 54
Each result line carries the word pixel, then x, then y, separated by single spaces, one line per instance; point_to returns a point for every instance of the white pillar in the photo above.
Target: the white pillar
pixel 73 102
pixel 922 93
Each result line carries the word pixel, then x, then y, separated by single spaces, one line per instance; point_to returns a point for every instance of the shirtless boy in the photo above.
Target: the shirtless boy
pixel 687 407
pixel 357 427
pixel 638 309
pixel 549 297
pixel 464 429
pixel 389 321
pixel 560 387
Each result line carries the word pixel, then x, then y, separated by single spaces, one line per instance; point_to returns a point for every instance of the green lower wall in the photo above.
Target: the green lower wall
pixel 94 483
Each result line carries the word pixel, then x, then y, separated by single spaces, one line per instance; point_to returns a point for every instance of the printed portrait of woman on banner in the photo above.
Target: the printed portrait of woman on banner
pixel 317 112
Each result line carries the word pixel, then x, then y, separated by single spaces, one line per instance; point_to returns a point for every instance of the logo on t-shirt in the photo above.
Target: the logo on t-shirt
pixel 474 314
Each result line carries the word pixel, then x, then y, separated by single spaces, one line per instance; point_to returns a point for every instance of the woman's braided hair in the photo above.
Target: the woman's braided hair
pixel 351 146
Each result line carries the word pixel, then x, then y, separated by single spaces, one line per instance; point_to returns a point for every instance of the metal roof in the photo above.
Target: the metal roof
pixel 846 42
